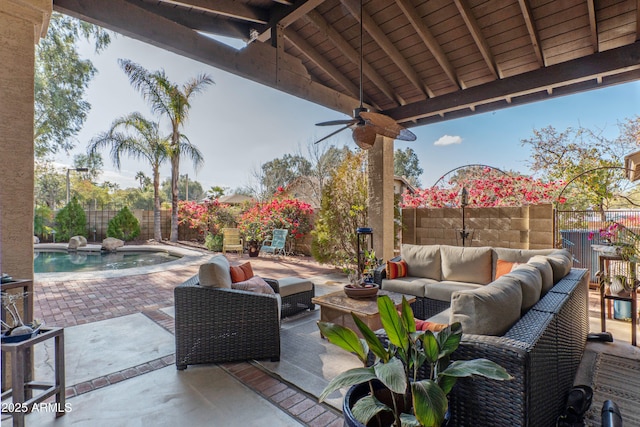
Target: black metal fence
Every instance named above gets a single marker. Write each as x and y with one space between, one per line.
578 230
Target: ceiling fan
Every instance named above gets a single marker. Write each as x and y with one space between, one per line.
365 124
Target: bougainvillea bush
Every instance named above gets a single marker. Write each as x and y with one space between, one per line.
257 222
208 217
487 189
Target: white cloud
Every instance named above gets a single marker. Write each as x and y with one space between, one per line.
448 140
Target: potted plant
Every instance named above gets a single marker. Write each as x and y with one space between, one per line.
394 394
16 330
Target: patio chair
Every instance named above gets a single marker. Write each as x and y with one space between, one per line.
231 240
275 245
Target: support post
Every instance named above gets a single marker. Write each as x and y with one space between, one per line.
381 200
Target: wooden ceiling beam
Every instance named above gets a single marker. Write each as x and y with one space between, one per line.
637 19
229 8
385 44
476 33
256 62
593 24
313 55
601 68
531 29
287 15
350 53
428 39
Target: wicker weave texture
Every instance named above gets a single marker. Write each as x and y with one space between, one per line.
215 325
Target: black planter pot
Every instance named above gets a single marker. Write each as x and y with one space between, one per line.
254 249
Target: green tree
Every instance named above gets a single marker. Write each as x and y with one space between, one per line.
343 210
71 221
173 103
406 163
324 160
50 184
195 189
281 172
124 225
135 136
216 192
92 162
594 160
144 180
61 79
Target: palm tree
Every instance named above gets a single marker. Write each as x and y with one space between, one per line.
137 137
171 101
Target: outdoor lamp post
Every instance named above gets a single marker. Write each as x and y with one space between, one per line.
464 201
68 186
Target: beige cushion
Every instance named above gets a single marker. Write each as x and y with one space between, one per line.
515 255
215 273
442 291
254 284
542 264
488 310
442 317
460 264
407 285
561 261
422 260
531 282
293 285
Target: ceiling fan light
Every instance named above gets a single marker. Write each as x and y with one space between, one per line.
364 137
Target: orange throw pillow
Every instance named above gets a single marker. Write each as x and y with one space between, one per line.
396 269
423 325
241 272
503 267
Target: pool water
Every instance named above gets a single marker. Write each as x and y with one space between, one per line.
63 261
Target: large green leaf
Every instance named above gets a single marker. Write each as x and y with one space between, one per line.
372 340
429 403
390 318
408 320
430 346
449 338
409 420
483 367
392 375
344 338
367 407
347 379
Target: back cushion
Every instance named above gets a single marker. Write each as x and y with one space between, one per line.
540 262
488 310
531 282
561 261
471 265
422 261
516 255
215 273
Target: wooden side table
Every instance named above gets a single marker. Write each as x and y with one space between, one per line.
22 385
606 295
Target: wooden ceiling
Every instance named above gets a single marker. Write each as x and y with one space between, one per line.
424 60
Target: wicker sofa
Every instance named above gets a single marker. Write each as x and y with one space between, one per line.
541 350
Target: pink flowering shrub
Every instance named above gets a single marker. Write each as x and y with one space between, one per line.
207 217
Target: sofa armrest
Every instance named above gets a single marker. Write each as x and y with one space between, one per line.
381 271
274 284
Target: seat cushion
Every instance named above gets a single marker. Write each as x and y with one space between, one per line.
471 265
488 310
531 282
407 285
293 285
442 291
215 273
422 261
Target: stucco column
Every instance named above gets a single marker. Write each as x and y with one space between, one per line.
380 160
22 23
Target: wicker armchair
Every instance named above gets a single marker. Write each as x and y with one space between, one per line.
215 325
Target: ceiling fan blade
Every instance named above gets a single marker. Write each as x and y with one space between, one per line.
364 136
347 122
332 133
386 126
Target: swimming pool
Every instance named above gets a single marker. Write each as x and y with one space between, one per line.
63 261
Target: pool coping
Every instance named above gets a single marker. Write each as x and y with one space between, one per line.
188 257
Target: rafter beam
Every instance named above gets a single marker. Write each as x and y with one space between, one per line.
593 24
287 15
531 29
474 29
339 42
230 8
326 66
428 39
385 44
588 72
256 62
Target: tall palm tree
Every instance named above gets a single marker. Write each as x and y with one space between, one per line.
134 136
171 101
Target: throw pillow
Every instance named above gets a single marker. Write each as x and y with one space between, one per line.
396 269
215 273
503 267
241 272
254 284
423 325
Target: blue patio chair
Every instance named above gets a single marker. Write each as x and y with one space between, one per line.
275 245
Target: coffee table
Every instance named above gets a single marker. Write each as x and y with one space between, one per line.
337 307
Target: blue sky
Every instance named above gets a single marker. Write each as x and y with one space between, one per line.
238 124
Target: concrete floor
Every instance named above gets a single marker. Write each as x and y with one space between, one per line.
120 369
